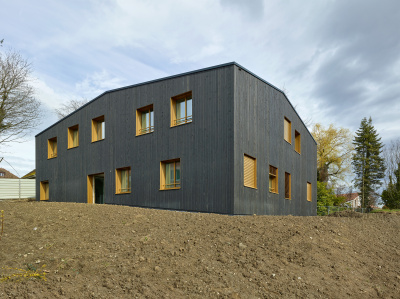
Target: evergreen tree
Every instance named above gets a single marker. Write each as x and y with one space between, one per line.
368 164
391 196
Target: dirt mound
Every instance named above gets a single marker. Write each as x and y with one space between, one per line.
67 250
347 213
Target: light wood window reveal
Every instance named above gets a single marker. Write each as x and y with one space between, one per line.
52 148
297 142
309 192
287 130
73 136
123 180
288 186
273 179
170 174
250 171
98 128
144 120
44 190
181 109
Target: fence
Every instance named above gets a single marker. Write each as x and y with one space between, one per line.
326 210
17 188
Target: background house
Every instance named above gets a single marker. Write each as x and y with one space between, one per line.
219 140
5 174
352 199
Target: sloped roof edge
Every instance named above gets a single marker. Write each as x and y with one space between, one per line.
176 76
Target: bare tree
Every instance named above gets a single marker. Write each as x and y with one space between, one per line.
69 107
19 109
391 154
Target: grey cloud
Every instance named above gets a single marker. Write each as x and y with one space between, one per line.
252 9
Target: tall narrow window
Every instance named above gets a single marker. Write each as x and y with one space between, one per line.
98 128
123 180
144 120
297 142
273 179
73 136
309 192
181 109
52 148
44 190
288 186
170 174
287 130
250 172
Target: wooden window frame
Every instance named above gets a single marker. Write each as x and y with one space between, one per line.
95 122
287 130
309 191
118 180
44 190
163 174
139 129
188 118
274 178
288 184
51 150
247 181
71 136
297 142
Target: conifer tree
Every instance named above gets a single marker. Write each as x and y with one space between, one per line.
391 195
369 166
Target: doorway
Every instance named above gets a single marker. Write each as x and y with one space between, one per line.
96 188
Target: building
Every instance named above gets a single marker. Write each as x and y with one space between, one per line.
218 140
5 174
353 200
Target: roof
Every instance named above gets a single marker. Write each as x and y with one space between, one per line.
5 174
30 175
349 196
180 75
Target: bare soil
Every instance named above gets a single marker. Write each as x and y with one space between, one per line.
69 250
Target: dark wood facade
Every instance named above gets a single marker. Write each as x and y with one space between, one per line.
234 113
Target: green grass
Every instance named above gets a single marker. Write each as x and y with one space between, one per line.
386 211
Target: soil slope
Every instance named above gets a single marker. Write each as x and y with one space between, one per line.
68 250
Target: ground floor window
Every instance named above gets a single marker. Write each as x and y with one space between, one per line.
44 190
170 174
123 180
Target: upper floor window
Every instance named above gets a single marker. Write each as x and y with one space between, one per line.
287 130
309 192
98 128
2 174
73 136
144 120
52 148
288 186
273 179
297 142
250 171
170 174
181 109
123 180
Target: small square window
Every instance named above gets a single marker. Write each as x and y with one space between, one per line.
2 174
181 109
98 128
170 174
144 120
123 180
250 171
52 148
287 130
288 186
297 142
44 190
273 179
73 136
309 192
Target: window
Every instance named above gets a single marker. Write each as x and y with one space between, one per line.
309 192
52 148
73 136
288 187
297 142
287 130
170 174
98 128
250 171
44 190
181 109
2 174
144 120
273 179
123 180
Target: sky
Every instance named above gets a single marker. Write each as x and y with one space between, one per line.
337 61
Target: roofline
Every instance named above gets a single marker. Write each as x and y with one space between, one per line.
180 75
